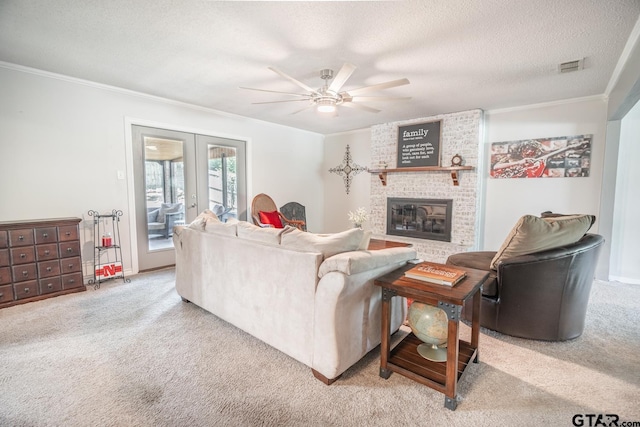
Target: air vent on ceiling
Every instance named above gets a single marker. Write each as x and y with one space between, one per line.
567 67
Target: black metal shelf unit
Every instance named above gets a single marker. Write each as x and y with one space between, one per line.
107 256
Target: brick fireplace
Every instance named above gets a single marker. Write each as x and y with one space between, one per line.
460 134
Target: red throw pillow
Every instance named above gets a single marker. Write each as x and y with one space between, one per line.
271 218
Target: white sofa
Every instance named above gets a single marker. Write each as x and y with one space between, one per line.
289 288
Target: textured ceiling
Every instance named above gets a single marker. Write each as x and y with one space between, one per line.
458 54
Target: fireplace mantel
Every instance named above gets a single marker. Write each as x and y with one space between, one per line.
382 173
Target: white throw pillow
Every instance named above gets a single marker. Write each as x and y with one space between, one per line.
328 244
201 220
253 232
229 228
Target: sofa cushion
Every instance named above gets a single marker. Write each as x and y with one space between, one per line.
271 218
366 239
201 220
532 234
328 244
269 235
229 228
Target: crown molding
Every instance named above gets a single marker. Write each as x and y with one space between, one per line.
350 132
102 86
116 89
602 98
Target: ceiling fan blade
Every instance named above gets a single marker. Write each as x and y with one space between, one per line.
380 98
292 80
276 91
379 86
360 107
342 76
302 109
283 100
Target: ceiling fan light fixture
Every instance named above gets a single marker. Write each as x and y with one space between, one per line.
327 98
326 105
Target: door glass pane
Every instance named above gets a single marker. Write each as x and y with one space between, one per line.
164 187
223 185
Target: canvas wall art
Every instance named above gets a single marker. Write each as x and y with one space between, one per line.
557 157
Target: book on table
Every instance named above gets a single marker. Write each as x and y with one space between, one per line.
436 273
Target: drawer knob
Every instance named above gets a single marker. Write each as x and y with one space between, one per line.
1 294
49 285
68 233
25 273
26 290
70 281
21 237
69 250
47 252
45 235
23 255
48 268
70 266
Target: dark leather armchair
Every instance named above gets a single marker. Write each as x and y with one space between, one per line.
540 296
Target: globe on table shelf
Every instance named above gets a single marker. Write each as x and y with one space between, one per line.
429 324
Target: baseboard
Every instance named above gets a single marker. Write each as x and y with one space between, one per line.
624 280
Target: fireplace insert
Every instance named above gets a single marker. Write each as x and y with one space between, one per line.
421 218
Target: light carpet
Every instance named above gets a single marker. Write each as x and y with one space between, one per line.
134 354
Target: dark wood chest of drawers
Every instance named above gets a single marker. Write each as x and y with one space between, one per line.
39 259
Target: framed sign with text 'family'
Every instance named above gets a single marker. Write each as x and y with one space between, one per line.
419 144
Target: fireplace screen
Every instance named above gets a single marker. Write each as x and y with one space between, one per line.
422 218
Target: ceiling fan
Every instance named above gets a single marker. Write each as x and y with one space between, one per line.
329 96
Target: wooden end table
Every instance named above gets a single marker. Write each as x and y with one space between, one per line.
404 358
378 244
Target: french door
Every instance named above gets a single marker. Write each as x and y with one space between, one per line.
176 176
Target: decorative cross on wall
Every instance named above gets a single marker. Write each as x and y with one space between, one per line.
347 169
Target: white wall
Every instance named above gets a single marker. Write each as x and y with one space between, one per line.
509 199
337 202
625 254
62 142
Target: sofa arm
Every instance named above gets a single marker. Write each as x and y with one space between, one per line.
355 262
348 309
